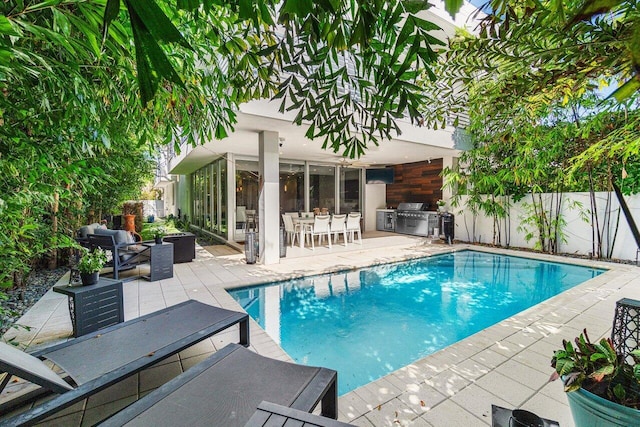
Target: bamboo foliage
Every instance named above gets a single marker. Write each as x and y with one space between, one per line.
90 89
529 86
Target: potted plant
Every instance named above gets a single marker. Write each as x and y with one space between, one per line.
158 233
603 386
90 265
441 205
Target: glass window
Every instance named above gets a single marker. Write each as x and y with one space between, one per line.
206 206
350 190
222 206
209 197
197 197
246 194
291 187
322 187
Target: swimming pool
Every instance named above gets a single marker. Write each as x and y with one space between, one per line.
369 322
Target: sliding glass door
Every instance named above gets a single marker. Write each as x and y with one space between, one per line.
350 190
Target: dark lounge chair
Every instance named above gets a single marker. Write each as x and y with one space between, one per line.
96 361
227 388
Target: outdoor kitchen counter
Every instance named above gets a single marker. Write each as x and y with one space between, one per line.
412 219
386 219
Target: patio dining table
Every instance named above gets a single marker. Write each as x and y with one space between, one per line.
303 222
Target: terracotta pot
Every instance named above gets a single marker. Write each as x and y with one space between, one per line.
130 222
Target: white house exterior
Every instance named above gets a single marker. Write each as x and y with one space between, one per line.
268 165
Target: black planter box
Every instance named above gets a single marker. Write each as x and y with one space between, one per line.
184 246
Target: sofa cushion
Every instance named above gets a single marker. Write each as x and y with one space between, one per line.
89 229
119 236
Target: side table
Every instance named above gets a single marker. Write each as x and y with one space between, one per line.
95 306
160 261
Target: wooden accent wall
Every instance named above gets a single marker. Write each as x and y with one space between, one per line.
416 182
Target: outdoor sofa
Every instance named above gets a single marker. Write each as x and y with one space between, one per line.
124 247
125 253
96 361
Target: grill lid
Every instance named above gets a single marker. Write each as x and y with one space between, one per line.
413 206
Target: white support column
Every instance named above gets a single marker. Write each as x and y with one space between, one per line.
307 186
269 201
451 163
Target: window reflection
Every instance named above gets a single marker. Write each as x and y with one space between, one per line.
350 184
209 193
222 206
209 198
291 187
322 188
246 194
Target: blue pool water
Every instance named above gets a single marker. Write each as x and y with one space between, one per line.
369 322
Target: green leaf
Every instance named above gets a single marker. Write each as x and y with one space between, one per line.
620 392
221 132
453 6
300 8
156 22
415 6
426 25
5 26
406 31
601 373
245 9
110 13
628 89
189 5
147 82
266 14
593 7
5 56
153 63
636 372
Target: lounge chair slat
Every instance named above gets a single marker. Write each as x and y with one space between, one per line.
270 414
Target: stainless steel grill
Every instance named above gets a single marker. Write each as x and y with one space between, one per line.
412 219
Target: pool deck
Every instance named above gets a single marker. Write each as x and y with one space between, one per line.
507 364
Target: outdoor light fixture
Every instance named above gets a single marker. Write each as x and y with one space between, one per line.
626 326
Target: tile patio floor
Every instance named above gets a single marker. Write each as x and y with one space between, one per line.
506 364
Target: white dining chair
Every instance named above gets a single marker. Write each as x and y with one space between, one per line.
353 226
290 228
338 226
320 228
292 214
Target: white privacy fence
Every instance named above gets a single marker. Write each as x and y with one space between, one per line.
153 207
576 213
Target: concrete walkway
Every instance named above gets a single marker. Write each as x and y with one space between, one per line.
507 364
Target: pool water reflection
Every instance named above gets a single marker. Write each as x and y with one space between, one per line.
369 322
